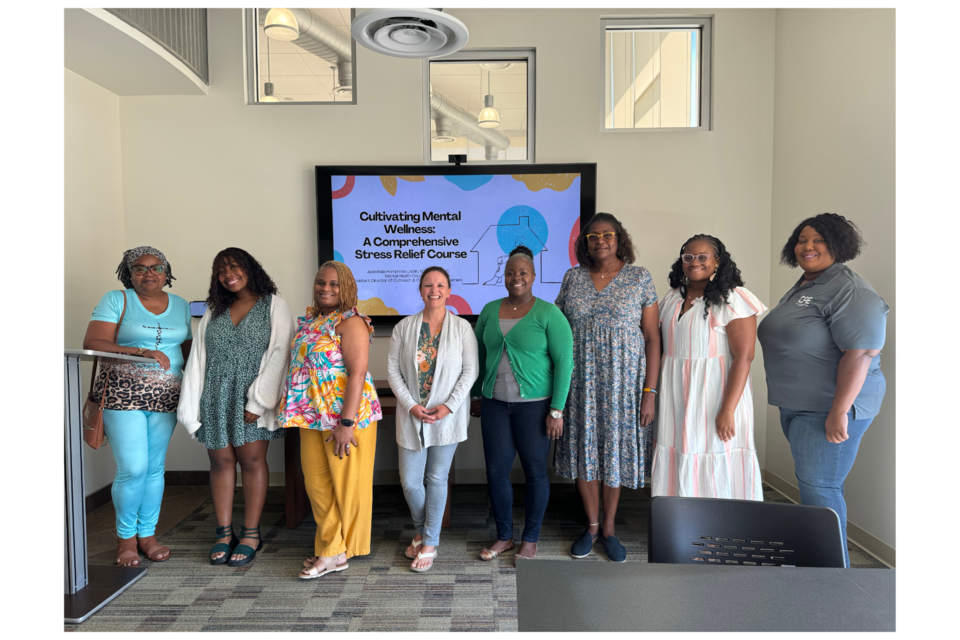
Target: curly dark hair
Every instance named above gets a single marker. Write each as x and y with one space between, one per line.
625 249
523 252
727 276
123 275
260 284
438 270
841 235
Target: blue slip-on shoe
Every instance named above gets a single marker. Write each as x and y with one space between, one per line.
615 551
581 548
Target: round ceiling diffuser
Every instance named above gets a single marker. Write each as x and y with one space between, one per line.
410 33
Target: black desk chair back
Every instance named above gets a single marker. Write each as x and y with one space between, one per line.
743 532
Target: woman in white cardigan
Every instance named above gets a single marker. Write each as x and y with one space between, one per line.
231 389
432 366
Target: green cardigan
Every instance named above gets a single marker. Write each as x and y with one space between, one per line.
540 349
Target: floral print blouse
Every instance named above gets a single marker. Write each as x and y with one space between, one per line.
317 378
427 359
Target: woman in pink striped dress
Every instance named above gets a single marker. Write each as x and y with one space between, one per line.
708 322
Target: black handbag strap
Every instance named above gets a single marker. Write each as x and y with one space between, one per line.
93 378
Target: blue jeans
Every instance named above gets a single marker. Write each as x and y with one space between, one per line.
139 442
426 501
511 428
822 466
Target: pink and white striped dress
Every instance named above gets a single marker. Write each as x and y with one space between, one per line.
689 459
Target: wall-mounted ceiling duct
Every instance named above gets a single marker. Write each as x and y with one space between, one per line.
455 119
323 39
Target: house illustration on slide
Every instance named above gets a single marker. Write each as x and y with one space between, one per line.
495 243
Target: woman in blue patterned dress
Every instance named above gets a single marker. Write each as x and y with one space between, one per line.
612 309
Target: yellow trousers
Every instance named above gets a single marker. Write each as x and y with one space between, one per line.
340 491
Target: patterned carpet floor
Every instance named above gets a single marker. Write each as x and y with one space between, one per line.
378 592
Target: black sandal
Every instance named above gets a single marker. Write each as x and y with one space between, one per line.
248 552
223 532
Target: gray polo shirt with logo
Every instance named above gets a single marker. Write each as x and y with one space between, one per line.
805 335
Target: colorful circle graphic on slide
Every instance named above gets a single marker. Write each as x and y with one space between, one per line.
457 303
338 256
344 190
522 225
574 234
469 183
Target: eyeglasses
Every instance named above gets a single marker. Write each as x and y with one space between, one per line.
606 235
141 270
700 257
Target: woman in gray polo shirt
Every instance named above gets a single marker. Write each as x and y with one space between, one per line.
821 351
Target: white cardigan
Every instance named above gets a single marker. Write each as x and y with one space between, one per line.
263 396
457 369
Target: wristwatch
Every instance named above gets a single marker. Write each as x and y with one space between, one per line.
346 423
556 415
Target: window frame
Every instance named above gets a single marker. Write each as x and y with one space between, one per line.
528 56
251 61
704 24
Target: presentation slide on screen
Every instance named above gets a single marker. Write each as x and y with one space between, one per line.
388 229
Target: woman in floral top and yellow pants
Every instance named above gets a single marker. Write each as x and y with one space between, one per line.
330 396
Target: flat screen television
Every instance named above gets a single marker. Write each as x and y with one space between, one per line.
389 223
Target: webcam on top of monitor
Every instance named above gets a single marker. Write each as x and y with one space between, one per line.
457 158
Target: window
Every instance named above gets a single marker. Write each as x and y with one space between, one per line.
460 88
309 61
657 74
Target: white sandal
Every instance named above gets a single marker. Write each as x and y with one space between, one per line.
421 556
312 560
329 566
416 545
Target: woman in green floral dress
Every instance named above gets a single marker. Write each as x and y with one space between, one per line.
231 389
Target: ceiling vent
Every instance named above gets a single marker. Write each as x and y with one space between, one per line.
410 33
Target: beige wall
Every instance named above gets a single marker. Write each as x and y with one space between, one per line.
834 151
202 173
93 222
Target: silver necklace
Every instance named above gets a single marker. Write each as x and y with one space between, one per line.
518 306
604 274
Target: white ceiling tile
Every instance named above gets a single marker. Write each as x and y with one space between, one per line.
507 84
290 85
317 66
456 84
284 64
332 15
345 16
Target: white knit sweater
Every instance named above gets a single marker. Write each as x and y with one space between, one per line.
457 369
263 396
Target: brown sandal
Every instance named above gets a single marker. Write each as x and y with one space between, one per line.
127 555
153 549
520 556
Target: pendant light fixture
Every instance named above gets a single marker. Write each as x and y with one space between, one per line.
281 24
268 85
489 117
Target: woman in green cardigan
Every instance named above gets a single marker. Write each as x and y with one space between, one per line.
526 359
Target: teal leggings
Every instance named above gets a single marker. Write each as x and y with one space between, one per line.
139 442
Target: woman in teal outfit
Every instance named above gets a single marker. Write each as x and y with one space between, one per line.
141 402
231 388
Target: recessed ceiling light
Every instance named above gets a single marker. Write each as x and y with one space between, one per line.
343 91
496 66
444 139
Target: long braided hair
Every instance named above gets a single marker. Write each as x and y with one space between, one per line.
726 279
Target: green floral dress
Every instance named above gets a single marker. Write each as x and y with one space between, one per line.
426 360
233 363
